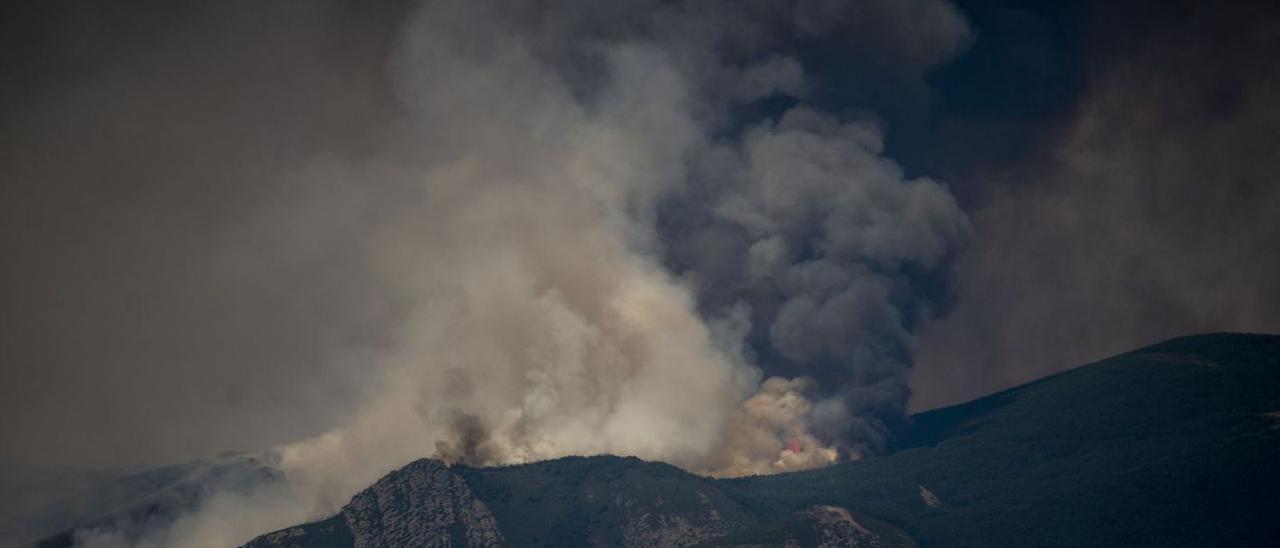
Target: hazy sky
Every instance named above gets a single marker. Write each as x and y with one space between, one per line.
569 227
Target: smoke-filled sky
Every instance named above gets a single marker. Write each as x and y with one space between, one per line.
742 237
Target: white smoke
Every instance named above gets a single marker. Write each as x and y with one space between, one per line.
548 315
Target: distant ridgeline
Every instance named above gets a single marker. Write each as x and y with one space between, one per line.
1177 444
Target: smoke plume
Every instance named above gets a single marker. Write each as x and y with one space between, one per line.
552 313
595 231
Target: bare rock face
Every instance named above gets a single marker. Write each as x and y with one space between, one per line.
423 504
822 527
835 526
655 526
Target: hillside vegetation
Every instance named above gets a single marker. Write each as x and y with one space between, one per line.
1177 444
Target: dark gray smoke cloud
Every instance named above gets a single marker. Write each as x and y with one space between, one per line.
821 263
1155 216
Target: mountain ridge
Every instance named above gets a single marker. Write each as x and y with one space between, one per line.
1175 444
1205 383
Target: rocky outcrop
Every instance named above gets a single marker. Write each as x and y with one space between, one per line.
652 526
820 526
423 504
835 526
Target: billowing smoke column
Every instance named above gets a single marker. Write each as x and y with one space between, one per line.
822 244
604 255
